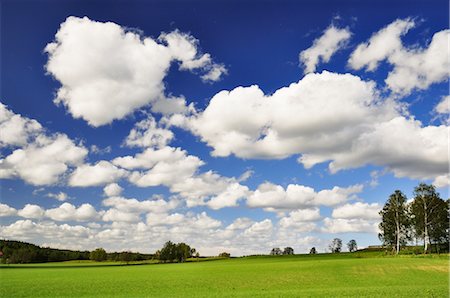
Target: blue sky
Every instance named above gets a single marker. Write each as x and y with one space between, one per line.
236 126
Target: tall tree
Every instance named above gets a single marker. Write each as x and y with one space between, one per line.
335 245
98 255
352 246
429 214
394 221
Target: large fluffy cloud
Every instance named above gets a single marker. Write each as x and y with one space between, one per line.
147 133
412 67
358 210
176 169
275 197
16 130
43 161
324 47
103 172
308 118
41 158
102 64
68 212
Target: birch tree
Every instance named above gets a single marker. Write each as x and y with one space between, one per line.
429 214
394 221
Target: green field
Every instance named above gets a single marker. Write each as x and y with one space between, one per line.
356 275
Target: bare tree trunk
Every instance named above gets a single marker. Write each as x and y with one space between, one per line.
426 237
397 221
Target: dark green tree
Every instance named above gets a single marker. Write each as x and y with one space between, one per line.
224 255
395 221
352 246
288 251
429 215
183 252
98 255
313 251
276 251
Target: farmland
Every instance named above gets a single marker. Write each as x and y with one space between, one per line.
333 275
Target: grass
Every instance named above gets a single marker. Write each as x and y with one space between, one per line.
324 275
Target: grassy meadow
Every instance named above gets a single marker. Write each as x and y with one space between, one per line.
324 275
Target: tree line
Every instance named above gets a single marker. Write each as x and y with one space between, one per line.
17 252
425 218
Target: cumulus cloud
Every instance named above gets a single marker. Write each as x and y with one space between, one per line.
324 47
301 220
357 210
31 211
60 196
68 212
43 161
16 130
6 210
147 133
340 225
176 169
413 68
442 181
249 124
66 236
307 118
112 190
443 107
274 197
103 172
389 144
102 64
116 215
156 205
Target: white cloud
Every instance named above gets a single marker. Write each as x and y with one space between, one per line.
112 190
60 196
156 205
215 73
31 211
174 168
307 118
152 157
249 124
301 220
116 215
380 46
43 161
324 47
341 225
65 236
443 107
168 166
6 210
442 181
68 212
357 210
389 144
275 197
97 150
103 172
147 133
240 223
413 68
15 129
222 191
102 64
261 229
